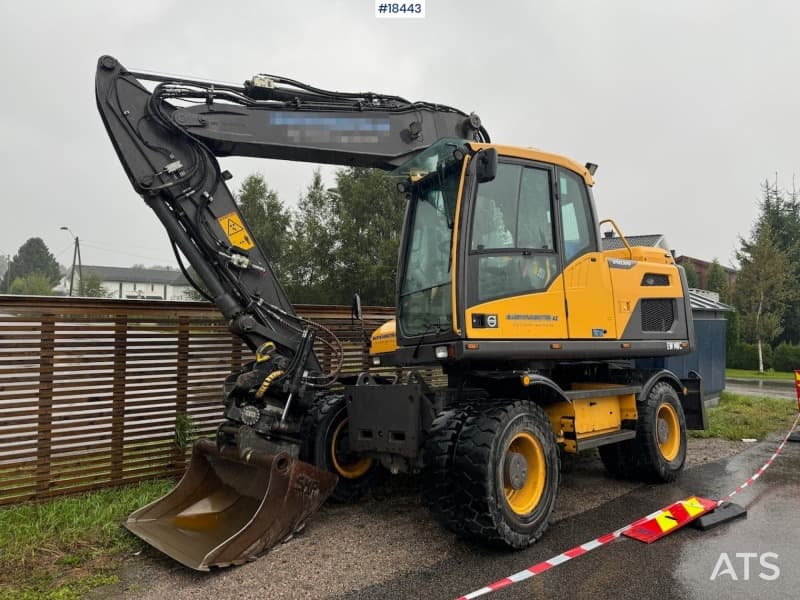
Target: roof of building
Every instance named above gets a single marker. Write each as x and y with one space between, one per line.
136 275
613 243
705 263
705 300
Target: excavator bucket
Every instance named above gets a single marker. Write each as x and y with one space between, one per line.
231 506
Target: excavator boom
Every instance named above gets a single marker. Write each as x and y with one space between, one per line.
247 490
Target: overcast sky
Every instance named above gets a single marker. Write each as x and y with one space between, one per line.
686 106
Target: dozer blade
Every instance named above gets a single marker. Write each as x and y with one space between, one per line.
231 506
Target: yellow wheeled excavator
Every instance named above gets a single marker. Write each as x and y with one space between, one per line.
502 284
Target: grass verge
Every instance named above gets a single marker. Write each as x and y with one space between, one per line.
64 548
738 417
744 374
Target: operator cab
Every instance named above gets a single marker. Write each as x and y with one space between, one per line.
500 259
481 229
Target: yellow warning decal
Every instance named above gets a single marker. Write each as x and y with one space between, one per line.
666 521
693 507
235 230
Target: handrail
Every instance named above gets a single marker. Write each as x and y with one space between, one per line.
619 233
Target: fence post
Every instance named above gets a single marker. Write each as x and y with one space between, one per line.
182 391
45 418
366 365
118 396
236 353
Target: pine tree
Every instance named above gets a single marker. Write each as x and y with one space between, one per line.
692 278
32 257
717 280
762 288
267 218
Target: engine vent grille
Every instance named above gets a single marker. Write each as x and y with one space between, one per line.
658 315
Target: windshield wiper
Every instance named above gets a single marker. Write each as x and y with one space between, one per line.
430 328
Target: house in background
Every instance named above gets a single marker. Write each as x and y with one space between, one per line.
701 266
136 283
609 241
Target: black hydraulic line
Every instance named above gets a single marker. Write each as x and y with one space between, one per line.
185 273
169 153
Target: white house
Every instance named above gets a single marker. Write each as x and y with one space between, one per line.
135 283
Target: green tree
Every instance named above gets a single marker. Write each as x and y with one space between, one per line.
91 286
369 217
781 212
732 332
762 288
345 240
34 284
311 261
32 257
717 280
692 278
268 219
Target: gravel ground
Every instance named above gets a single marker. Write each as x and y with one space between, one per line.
346 548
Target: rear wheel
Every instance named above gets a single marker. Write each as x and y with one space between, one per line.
506 473
661 434
326 446
658 452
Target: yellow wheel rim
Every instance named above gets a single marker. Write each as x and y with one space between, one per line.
351 470
668 431
524 499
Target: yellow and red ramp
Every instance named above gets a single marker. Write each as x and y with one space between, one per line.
669 519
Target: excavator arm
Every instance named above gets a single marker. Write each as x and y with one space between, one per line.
168 136
168 140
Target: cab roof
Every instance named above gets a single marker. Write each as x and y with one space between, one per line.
538 155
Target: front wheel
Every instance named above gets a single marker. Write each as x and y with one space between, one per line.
326 446
506 471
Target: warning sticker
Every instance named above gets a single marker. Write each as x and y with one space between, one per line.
234 228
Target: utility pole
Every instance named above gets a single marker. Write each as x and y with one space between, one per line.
76 255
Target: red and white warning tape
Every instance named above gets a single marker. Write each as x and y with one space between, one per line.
548 564
577 551
766 465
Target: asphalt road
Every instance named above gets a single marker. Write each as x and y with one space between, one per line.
772 388
679 566
389 547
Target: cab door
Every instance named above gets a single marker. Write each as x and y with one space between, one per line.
587 278
513 287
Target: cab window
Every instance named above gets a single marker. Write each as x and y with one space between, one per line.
511 245
576 216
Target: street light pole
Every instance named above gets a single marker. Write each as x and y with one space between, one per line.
76 255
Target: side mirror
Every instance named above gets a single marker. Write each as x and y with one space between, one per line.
486 169
355 312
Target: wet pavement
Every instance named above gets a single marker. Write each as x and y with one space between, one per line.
773 388
679 566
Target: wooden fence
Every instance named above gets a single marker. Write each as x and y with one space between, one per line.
91 391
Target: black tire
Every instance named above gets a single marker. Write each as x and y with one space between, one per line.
653 462
439 487
658 452
486 505
326 419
